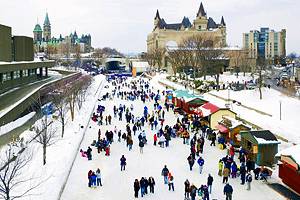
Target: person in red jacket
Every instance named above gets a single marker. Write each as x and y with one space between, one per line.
155 139
107 151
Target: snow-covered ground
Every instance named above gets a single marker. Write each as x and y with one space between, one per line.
15 124
119 185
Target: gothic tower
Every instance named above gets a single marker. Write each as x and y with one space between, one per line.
37 33
47 29
200 23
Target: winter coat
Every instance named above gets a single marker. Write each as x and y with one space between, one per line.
210 180
234 168
226 172
165 172
136 186
141 144
93 177
123 161
155 137
98 174
220 165
249 178
191 160
151 181
200 161
186 186
228 189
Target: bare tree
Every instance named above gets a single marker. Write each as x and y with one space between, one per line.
149 56
155 57
45 135
59 100
261 65
13 177
77 55
177 59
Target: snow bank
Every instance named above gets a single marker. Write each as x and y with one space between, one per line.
15 124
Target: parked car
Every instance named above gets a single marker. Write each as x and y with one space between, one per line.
250 86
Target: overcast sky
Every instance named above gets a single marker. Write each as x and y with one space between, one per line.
124 24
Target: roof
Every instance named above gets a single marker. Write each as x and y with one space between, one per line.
293 152
37 28
197 101
157 15
175 26
208 109
223 21
263 136
211 24
186 95
47 21
201 11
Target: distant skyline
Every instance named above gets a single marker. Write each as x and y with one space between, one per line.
125 24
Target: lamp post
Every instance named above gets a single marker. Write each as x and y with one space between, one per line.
280 109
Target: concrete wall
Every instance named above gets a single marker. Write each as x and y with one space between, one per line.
5 43
22 48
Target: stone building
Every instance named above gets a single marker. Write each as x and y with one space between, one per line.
164 34
43 39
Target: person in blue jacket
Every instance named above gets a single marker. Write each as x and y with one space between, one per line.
200 163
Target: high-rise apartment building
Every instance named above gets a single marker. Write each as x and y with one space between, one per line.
265 43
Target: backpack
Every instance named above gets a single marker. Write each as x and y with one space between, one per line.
249 178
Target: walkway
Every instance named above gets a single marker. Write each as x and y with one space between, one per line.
119 185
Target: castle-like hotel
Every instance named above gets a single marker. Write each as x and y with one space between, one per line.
163 33
43 39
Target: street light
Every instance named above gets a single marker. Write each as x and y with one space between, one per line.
280 109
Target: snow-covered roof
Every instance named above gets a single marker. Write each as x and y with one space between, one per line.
234 122
264 137
293 152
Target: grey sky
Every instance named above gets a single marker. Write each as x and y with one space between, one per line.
124 24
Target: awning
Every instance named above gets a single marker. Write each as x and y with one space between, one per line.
222 128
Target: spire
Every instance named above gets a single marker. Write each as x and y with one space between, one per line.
223 21
47 21
201 11
157 15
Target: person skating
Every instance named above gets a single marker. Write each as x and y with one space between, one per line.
93 180
89 153
220 165
141 145
155 139
187 189
123 162
210 181
243 173
142 186
171 182
90 178
200 163
136 187
191 162
228 190
151 183
98 174
164 173
226 172
249 180
193 190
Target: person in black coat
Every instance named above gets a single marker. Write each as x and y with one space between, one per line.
210 180
243 173
151 183
191 162
123 162
89 153
228 190
136 187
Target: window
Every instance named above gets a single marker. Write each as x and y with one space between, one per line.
25 73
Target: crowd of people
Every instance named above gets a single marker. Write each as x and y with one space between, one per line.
193 133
